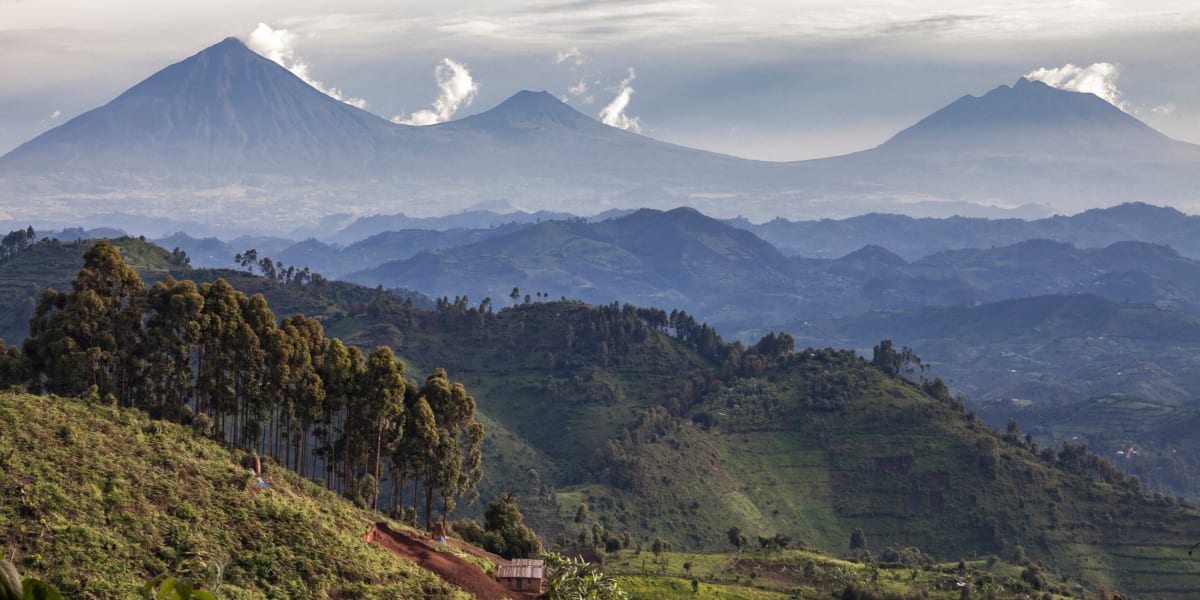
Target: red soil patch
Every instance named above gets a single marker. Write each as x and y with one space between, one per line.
457 571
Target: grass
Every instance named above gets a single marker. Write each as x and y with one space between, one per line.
909 472
804 574
113 498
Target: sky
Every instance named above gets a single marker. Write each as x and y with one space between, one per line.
764 79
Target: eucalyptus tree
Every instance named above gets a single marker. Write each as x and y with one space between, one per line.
91 335
340 371
305 389
172 336
413 452
455 469
381 405
223 330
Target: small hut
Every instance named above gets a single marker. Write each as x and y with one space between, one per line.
522 575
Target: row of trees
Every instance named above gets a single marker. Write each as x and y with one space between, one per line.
275 270
212 357
16 242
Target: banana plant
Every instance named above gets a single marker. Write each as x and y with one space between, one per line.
13 588
170 588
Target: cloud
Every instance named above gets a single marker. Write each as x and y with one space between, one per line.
614 113
53 118
456 89
573 54
1164 109
1098 78
932 25
580 91
278 45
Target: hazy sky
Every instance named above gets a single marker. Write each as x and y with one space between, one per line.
757 78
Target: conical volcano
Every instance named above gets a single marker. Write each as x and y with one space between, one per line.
1032 118
225 111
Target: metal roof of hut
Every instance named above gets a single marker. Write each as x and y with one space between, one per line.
522 568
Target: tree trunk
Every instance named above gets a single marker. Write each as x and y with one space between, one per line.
378 444
429 507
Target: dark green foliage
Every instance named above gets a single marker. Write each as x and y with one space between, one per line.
1034 577
909 557
775 542
15 368
737 539
503 532
858 539
92 335
571 578
16 242
218 360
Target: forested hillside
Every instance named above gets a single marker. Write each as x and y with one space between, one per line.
810 444
607 422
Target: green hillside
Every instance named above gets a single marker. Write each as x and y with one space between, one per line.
52 264
99 499
661 437
562 376
664 431
1069 368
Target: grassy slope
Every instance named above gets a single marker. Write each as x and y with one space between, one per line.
904 468
115 499
810 575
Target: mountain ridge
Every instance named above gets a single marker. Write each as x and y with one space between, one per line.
1030 116
227 124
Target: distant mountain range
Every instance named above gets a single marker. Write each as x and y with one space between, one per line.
915 238
730 277
227 133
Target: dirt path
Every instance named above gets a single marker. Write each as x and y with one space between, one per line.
455 570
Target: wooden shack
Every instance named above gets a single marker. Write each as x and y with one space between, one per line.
522 574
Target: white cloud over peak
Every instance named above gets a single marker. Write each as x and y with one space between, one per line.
1164 109
614 113
279 46
456 89
573 54
1097 78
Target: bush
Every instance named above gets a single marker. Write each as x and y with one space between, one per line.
909 557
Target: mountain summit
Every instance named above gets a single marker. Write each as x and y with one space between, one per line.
529 110
227 124
1032 118
223 111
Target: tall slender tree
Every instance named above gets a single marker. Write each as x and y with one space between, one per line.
382 404
454 470
172 334
91 335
